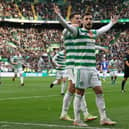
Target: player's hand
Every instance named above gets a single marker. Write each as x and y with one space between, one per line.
114 19
56 9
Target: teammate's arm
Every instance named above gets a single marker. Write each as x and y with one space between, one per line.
71 28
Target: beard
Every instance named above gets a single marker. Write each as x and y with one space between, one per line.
88 26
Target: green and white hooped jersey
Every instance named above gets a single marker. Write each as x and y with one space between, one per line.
59 60
18 60
68 38
80 50
113 63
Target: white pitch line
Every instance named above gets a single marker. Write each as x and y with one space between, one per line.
35 97
49 125
29 97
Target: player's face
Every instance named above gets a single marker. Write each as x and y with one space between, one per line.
76 20
87 22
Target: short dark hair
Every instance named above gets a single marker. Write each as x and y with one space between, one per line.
85 14
73 14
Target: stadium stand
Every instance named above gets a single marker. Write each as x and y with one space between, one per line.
35 39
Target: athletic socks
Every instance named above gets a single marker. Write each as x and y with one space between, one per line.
63 87
101 106
22 80
77 106
84 108
55 82
122 85
66 103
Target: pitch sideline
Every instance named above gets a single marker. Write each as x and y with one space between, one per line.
30 97
6 123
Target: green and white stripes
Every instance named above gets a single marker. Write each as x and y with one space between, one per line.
80 50
59 60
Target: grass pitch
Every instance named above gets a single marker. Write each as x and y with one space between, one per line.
36 106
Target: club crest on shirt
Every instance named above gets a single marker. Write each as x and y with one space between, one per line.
90 34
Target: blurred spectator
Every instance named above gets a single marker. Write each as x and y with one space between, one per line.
35 41
103 9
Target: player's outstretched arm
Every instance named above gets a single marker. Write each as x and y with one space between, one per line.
70 28
107 27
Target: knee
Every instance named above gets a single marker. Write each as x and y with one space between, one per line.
71 90
98 90
80 91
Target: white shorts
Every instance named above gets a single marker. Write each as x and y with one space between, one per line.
18 71
61 74
104 72
70 73
85 78
113 73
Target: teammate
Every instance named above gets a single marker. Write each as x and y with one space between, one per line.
75 19
17 62
61 76
83 47
126 71
104 68
113 66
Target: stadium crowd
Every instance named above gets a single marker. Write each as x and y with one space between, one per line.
31 41
44 10
35 42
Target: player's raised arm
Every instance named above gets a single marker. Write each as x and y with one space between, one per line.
70 28
107 27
